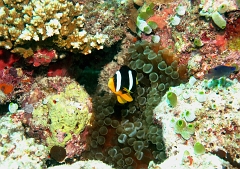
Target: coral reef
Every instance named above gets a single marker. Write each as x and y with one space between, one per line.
218 5
7 59
196 40
216 123
216 43
43 57
193 125
17 151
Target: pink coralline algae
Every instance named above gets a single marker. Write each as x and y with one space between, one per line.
13 80
75 146
42 57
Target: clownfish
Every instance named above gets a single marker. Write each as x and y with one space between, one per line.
123 83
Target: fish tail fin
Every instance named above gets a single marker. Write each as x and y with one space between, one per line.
121 100
124 98
127 97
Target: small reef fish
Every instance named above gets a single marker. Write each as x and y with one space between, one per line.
220 71
123 83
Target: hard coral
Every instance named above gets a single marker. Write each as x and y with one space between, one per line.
16 148
42 87
75 146
76 27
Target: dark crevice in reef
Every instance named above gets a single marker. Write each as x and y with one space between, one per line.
226 156
89 67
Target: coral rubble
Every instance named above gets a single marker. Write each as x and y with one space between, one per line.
84 165
217 118
183 160
16 150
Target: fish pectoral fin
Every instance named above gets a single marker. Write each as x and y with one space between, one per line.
127 97
121 100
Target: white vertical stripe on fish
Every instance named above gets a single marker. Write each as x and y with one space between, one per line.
119 78
130 80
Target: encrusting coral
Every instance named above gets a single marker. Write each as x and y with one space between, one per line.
61 111
68 112
60 24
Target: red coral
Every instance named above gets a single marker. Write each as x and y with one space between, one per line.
161 18
60 68
205 37
233 28
42 57
7 59
6 88
221 42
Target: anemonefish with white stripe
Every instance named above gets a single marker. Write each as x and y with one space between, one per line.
123 83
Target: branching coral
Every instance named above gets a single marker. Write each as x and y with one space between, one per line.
57 23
